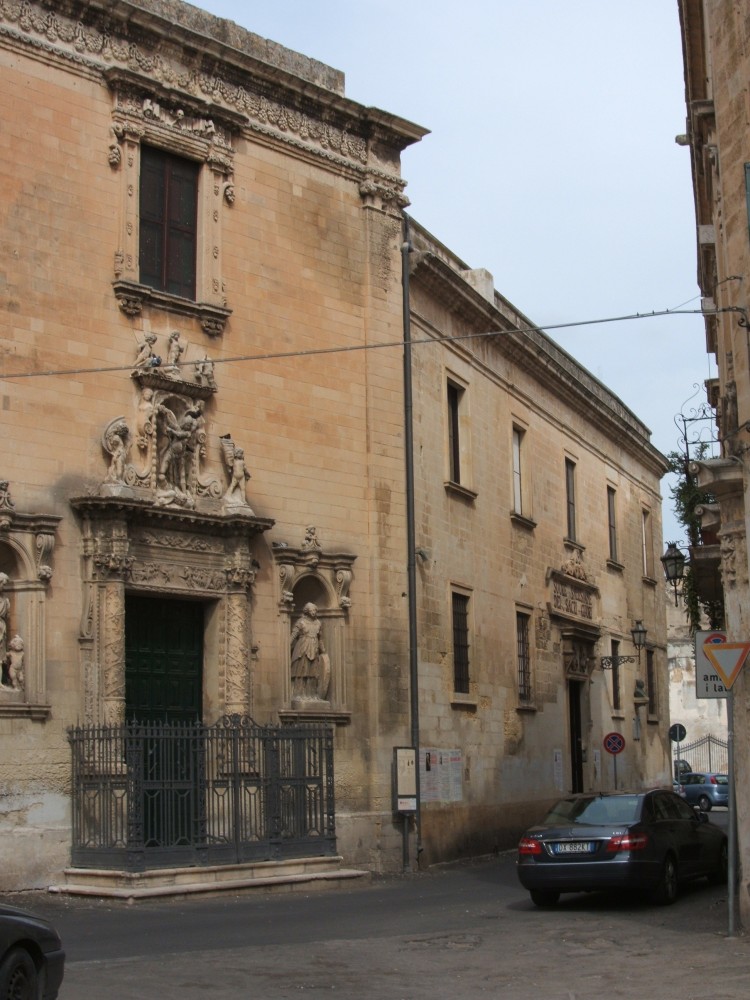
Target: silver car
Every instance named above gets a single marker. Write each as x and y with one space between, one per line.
705 789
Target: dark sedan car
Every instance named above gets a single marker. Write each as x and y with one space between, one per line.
649 841
31 956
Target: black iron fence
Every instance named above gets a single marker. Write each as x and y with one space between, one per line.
163 795
709 753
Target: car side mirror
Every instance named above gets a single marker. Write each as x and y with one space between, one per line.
701 816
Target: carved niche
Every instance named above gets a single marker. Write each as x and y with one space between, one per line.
308 574
26 545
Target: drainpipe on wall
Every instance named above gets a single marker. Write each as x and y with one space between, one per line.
411 566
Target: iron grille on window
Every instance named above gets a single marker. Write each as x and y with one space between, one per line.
650 682
615 676
461 643
168 222
524 657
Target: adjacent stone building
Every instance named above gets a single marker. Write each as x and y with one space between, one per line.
715 38
204 511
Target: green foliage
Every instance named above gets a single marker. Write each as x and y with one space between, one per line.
687 496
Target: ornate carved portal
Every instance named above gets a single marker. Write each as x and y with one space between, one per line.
132 546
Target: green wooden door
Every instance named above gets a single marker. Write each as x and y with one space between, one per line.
164 684
163 660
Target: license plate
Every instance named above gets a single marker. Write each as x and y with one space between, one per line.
573 847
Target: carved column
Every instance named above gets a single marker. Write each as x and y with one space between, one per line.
237 690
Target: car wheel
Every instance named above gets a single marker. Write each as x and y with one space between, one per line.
18 976
544 897
665 892
719 875
704 804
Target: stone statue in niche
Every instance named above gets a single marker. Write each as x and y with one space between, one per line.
311 667
13 674
4 612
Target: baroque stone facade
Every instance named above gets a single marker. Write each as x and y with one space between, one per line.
234 449
715 39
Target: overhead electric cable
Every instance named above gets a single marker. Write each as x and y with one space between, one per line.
314 351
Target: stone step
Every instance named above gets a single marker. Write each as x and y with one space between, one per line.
287 875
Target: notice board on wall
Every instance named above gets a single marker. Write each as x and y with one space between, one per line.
441 774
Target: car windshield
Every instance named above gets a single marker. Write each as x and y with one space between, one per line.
721 779
603 810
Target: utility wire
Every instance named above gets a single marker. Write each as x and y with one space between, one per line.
314 351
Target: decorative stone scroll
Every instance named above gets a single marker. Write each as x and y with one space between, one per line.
27 542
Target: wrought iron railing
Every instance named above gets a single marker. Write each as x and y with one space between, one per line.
159 795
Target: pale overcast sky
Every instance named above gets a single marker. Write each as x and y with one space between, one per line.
551 162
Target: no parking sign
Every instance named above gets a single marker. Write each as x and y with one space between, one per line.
614 743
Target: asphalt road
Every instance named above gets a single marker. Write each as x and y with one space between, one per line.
465 931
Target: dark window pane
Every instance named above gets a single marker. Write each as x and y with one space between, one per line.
460 607
168 222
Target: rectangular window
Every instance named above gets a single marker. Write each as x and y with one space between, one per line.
168 222
616 706
460 608
570 498
651 682
648 565
612 521
523 656
454 441
517 484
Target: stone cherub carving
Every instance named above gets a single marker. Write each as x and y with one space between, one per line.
311 667
204 372
13 672
146 357
234 459
175 350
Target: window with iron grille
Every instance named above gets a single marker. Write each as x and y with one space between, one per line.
651 682
615 676
168 222
523 656
570 498
612 520
460 608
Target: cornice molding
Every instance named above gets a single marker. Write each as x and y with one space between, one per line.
254 94
535 353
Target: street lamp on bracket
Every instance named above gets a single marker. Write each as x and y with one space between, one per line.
674 562
638 634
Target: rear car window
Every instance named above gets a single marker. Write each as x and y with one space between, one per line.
599 810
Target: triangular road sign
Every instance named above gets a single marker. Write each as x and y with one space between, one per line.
728 658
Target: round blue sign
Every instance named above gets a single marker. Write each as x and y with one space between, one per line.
614 743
